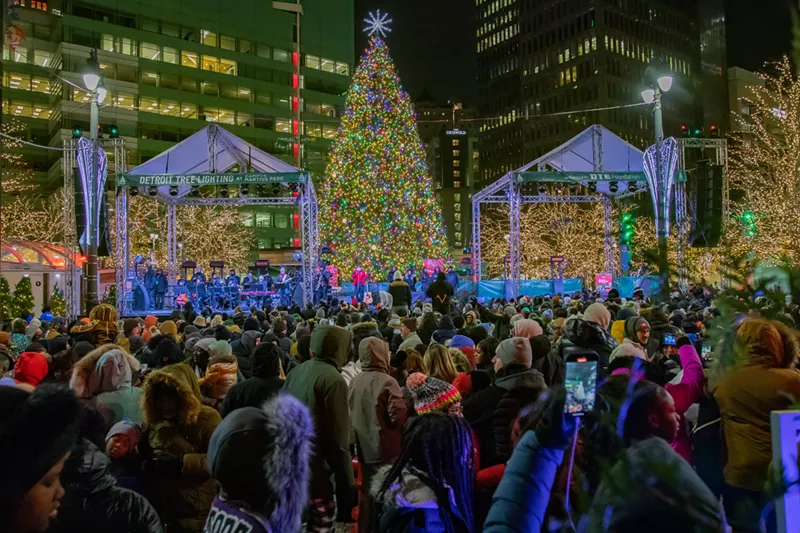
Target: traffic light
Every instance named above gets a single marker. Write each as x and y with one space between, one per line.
76 133
626 228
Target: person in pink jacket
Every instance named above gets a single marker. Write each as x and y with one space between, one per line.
685 393
359 283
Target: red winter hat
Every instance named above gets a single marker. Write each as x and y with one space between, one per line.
469 351
30 368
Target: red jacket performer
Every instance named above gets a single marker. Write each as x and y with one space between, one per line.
359 283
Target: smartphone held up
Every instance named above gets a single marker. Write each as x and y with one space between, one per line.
581 382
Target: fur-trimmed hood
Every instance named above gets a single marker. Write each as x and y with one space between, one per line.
89 379
260 457
768 343
179 378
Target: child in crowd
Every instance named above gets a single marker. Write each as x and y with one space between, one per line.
122 443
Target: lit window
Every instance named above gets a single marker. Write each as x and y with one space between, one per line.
107 42
189 59
41 85
456 163
283 125
227 66
456 153
149 51
247 220
475 155
170 55
456 142
43 58
457 207
124 100
457 197
312 61
245 47
208 38
170 107
244 94
280 55
457 217
227 42
226 116
264 220
149 78
210 63
328 65
188 110
329 131
281 220
457 184
148 104
243 119
456 173
126 46
342 68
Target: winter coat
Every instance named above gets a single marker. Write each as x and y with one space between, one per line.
492 411
659 326
629 348
401 293
93 503
410 342
685 393
377 409
748 393
183 498
581 334
546 362
284 342
359 276
319 385
502 322
361 331
440 292
409 505
17 344
243 349
103 379
257 389
524 492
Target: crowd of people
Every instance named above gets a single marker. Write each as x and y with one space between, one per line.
434 415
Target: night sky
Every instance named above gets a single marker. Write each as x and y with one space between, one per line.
433 41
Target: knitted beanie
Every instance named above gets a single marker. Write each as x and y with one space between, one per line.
460 341
431 394
515 350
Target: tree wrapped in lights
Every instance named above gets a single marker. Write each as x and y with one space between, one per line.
208 233
764 169
6 307
22 299
572 230
58 305
377 205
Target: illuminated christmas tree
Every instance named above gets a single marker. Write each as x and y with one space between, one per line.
22 300
58 305
377 205
6 309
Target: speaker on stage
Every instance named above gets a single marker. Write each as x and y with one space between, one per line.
297 294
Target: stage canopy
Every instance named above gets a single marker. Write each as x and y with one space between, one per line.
205 158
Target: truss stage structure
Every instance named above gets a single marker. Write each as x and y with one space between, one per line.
206 159
595 156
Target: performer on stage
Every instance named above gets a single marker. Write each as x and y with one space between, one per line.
233 277
283 279
181 293
150 281
359 283
323 282
390 274
198 276
267 281
233 290
248 279
411 279
160 289
452 277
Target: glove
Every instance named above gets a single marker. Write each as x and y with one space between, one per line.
167 463
553 427
684 341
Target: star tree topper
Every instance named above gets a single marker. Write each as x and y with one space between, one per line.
377 24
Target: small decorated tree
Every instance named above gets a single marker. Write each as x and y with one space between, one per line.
22 300
58 305
6 309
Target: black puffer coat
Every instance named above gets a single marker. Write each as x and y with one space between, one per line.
94 503
581 334
243 348
492 411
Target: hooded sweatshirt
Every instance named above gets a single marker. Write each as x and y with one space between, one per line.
243 350
377 407
319 385
630 345
30 368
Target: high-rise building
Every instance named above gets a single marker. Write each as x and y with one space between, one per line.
172 66
449 134
541 63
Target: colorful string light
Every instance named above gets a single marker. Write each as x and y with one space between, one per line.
377 206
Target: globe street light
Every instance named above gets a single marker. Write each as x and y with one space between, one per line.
93 83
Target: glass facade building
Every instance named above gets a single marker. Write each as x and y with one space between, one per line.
172 66
541 63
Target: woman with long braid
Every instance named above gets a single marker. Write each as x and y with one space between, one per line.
430 486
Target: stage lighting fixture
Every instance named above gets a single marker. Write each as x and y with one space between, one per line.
223 191
613 186
173 190
573 190
244 190
592 187
152 191
134 191
194 190
276 190
542 189
631 185
76 133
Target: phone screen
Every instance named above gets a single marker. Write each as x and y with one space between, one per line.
669 340
706 352
581 384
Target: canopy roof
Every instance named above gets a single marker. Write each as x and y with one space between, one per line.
193 155
28 253
596 149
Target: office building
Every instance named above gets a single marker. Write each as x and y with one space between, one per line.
740 90
449 134
542 63
172 66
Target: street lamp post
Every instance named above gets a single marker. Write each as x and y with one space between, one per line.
659 81
93 83
153 237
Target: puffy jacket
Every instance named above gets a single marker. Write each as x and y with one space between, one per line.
440 292
93 503
103 380
377 408
685 393
401 293
260 387
748 393
492 411
581 334
182 498
243 348
659 326
359 276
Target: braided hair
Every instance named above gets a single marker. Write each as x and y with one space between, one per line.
440 446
